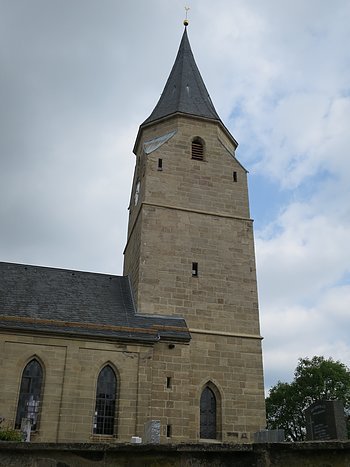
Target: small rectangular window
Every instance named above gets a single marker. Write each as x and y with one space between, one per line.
194 269
235 176
160 164
168 431
168 382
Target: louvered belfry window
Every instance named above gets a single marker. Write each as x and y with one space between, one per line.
197 149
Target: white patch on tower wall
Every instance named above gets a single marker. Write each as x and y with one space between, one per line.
155 143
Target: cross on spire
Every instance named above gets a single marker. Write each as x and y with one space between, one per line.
186 20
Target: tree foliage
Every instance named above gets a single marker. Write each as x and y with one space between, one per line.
314 379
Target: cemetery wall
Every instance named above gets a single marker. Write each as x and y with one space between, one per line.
310 454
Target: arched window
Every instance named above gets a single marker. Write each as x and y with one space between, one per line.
105 402
208 414
30 394
197 149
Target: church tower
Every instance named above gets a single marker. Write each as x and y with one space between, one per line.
190 253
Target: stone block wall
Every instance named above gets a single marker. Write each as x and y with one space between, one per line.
183 182
233 369
189 208
223 297
71 368
161 382
332 454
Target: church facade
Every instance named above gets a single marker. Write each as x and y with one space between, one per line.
94 357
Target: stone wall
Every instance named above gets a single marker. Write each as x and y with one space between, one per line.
155 382
71 367
322 454
193 211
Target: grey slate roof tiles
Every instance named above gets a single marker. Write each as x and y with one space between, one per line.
184 91
79 303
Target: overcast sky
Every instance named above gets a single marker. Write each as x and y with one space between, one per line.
77 77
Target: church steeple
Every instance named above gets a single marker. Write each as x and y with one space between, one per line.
185 91
190 254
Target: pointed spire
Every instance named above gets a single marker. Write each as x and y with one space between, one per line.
185 91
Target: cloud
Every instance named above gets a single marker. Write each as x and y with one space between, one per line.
304 331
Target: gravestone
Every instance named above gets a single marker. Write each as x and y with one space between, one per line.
152 432
136 440
269 436
325 420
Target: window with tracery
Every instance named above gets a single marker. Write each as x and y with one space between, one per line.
105 402
30 397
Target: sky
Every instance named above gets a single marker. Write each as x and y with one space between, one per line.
78 77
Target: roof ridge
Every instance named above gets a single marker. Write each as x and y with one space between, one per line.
56 268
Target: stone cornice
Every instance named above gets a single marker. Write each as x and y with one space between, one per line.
224 333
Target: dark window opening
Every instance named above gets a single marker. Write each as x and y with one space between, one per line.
30 394
197 149
160 164
208 414
194 269
168 431
105 402
168 382
235 176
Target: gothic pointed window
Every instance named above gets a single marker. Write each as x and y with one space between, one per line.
30 397
208 414
105 402
197 149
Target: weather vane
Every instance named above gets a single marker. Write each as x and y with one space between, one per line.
186 20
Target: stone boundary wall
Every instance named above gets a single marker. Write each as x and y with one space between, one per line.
306 454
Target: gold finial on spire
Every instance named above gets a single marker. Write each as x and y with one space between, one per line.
186 20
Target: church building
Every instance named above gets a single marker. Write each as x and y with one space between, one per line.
95 357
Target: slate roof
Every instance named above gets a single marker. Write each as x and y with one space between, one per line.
35 298
184 91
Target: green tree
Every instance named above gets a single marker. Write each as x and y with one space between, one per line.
314 379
